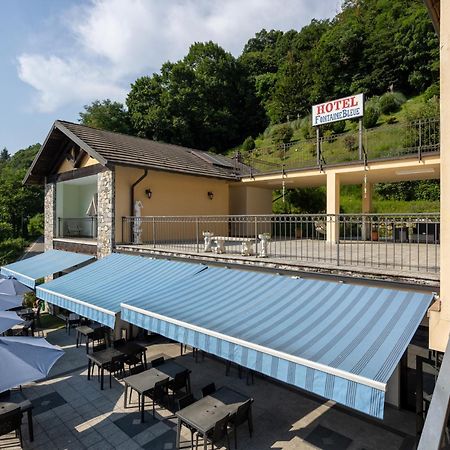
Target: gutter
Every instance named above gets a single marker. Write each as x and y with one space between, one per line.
144 175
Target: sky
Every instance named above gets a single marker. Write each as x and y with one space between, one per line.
58 55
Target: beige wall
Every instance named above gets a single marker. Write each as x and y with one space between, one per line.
172 194
67 166
440 315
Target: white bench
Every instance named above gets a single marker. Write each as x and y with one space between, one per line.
246 243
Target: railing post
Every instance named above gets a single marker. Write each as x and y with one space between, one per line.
197 234
338 239
256 235
420 140
153 232
318 145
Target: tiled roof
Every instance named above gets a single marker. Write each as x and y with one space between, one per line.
111 149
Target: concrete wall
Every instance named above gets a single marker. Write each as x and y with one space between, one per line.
172 195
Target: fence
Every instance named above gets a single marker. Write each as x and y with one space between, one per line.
394 242
415 138
85 227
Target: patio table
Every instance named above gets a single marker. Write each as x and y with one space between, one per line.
203 414
102 359
22 328
133 348
11 400
145 381
83 330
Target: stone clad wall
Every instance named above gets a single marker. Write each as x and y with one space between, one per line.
106 213
49 214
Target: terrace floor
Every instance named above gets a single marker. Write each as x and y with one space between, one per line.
375 259
72 413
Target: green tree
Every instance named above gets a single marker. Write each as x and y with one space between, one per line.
203 101
107 115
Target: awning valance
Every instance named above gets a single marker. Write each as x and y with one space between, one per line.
28 270
340 341
96 291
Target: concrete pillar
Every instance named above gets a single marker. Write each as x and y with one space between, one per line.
440 315
333 204
106 213
49 215
366 209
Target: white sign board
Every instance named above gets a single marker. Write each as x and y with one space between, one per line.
340 109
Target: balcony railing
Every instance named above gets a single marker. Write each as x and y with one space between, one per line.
399 242
77 227
417 138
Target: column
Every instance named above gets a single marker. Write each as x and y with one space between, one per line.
106 213
440 314
366 192
333 204
49 215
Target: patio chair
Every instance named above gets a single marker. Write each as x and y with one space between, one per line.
158 393
134 371
157 361
12 421
115 367
184 402
73 320
208 389
243 414
218 433
181 381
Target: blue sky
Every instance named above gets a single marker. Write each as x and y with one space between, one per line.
58 55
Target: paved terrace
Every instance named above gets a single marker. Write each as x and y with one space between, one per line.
72 413
410 262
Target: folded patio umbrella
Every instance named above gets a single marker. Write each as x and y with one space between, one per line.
8 319
10 301
10 286
25 359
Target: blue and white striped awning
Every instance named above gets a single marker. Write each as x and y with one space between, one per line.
28 270
96 291
340 341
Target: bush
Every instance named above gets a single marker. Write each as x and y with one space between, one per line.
282 134
338 127
350 142
371 116
391 120
36 225
306 128
391 102
11 249
432 91
6 231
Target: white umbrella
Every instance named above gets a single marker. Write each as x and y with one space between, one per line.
8 319
10 286
25 359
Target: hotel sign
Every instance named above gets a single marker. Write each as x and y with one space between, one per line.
340 109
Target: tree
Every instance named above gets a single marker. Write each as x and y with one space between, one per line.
204 100
107 115
4 155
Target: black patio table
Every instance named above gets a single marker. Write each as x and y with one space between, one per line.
11 400
145 381
133 348
203 414
102 358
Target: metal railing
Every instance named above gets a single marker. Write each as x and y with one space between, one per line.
82 227
415 138
400 242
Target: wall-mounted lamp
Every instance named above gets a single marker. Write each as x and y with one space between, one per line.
148 193
211 195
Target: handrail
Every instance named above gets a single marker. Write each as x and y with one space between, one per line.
437 416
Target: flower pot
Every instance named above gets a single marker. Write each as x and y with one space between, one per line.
374 235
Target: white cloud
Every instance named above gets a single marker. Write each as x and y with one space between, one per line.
110 42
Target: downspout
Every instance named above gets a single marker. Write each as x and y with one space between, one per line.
132 190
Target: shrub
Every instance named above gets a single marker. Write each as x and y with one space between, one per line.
391 102
6 231
282 134
36 225
371 115
249 144
11 249
29 300
432 91
391 120
306 128
338 127
350 142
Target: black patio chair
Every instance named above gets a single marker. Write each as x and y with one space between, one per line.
134 371
181 381
157 362
115 367
208 389
12 421
158 393
218 433
243 414
184 402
